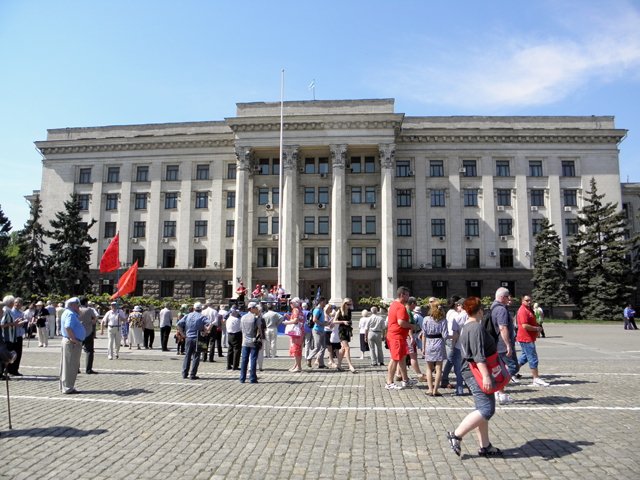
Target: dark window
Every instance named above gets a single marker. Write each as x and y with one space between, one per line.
437 198
571 226
471 227
142 173
168 258
323 257
404 227
262 258
403 168
309 225
166 288
537 198
568 168
438 228
202 172
356 225
112 201
370 195
139 255
200 228
198 288
275 167
140 201
231 199
309 195
439 258
113 175
506 258
436 168
202 200
172 172
356 165
109 229
405 258
275 195
370 225
139 229
502 168
323 225
403 198
309 165
470 197
470 168
228 258
473 258
231 171
170 200
309 254
263 196
263 167
535 168
536 226
263 225
274 257
356 257
356 194
570 198
229 228
323 165
200 258
503 196
369 164
84 175
83 201
505 226
275 225
323 195
169 230
371 257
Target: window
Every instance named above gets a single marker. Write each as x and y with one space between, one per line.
323 225
356 225
263 225
437 198
229 228
200 228
506 258
84 175
171 173
370 195
436 168
169 229
570 197
263 257
199 258
309 253
571 226
228 258
139 229
168 258
503 197
535 168
568 168
275 225
323 257
202 200
275 195
170 200
403 168
405 258
403 198
470 168
470 196
309 165
198 288
231 199
263 169
356 257
356 165
439 258
274 257
473 258
438 227
369 164
142 173
202 172
111 201
371 257
309 225
275 166
166 288
113 175
109 229
502 168
323 195
536 226
471 227
356 194
309 195
370 225
537 198
140 202
83 201
231 171
505 226
138 254
263 196
404 227
323 165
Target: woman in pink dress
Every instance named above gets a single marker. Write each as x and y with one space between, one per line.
295 348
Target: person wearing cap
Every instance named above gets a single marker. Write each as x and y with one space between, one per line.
272 321
190 326
59 310
166 320
215 337
234 334
136 324
21 322
40 317
88 319
149 332
374 333
51 319
251 336
113 319
73 334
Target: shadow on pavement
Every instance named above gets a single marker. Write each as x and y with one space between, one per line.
120 393
554 400
60 432
547 448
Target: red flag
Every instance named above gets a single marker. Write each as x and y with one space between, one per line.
127 282
111 258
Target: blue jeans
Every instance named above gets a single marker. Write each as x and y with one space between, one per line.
191 357
454 360
249 356
529 354
485 403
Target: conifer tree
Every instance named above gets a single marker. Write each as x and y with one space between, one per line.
70 251
29 278
601 254
549 271
5 228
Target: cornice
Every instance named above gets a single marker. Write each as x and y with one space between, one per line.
257 124
52 148
610 136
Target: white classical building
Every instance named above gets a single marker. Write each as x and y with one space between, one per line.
371 199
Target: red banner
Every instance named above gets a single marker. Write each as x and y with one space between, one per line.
127 283
111 259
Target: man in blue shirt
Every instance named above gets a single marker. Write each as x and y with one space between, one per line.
190 325
73 334
319 338
630 318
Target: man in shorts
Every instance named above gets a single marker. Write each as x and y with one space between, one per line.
399 327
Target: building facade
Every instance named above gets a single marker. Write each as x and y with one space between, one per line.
366 199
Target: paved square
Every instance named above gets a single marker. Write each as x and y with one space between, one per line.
139 419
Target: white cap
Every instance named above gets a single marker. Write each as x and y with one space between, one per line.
252 305
137 309
197 306
75 300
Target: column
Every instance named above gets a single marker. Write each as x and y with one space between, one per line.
288 244
241 247
340 253
387 245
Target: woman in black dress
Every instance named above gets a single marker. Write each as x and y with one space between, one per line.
345 331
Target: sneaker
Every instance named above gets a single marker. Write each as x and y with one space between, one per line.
514 381
407 384
393 386
411 382
538 382
504 399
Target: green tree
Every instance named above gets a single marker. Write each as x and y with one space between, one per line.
29 278
5 228
70 251
549 271
602 260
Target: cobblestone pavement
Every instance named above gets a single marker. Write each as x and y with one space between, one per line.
138 419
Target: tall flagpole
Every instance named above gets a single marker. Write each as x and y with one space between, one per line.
280 185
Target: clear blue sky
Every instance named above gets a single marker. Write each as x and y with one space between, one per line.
88 63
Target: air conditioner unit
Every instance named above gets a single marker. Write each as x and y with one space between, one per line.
462 170
372 206
165 240
268 206
257 169
439 284
134 240
441 239
534 208
468 238
422 265
323 175
274 237
567 209
301 170
196 240
230 282
305 237
473 284
503 238
322 206
500 208
492 253
411 173
504 284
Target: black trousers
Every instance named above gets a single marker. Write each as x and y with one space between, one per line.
16 346
149 336
87 346
164 338
215 341
235 350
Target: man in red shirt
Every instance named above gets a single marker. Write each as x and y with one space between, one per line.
528 330
398 327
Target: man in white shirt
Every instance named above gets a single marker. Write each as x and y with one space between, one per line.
112 319
165 327
214 335
272 321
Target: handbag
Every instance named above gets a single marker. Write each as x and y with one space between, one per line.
497 371
293 330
